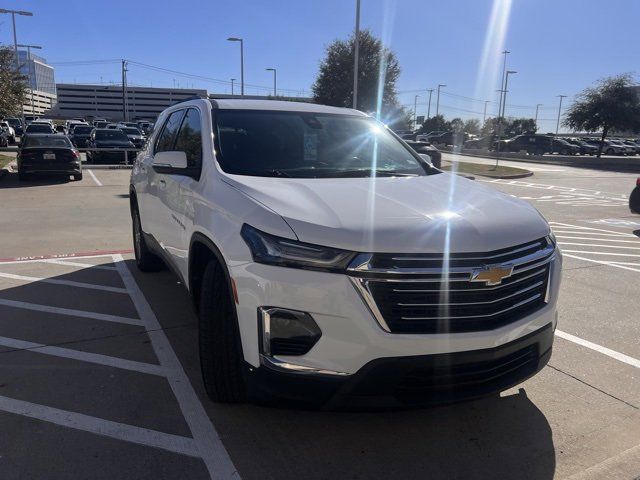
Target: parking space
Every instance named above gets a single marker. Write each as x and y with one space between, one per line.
99 369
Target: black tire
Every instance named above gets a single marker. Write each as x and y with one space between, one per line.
77 177
609 151
634 200
145 260
564 151
219 339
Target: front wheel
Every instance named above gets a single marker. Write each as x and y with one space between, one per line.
145 260
77 177
219 339
609 151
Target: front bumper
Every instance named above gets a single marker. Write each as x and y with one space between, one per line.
409 381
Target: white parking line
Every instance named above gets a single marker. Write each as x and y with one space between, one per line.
597 245
100 426
206 437
77 264
68 283
610 264
70 312
105 360
95 179
621 357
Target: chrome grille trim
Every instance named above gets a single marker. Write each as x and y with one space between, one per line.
487 257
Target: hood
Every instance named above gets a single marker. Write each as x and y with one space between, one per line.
411 214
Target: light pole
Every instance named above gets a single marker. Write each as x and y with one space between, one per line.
232 80
506 83
29 47
438 98
484 114
538 105
415 111
236 39
429 107
559 110
504 105
356 56
15 40
275 90
503 79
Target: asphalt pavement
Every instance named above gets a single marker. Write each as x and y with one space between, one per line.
99 370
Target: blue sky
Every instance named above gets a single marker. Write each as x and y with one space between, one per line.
558 46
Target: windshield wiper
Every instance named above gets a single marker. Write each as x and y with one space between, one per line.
366 172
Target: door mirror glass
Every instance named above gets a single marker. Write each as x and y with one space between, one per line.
426 158
171 159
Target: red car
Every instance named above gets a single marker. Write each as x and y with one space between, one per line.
634 198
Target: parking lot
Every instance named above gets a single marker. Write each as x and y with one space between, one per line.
99 368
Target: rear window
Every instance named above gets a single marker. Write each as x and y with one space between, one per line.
38 128
131 131
82 130
110 135
47 142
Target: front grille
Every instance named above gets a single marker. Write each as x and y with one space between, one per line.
428 294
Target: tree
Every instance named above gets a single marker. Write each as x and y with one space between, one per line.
519 126
435 123
334 83
456 125
610 105
472 126
12 84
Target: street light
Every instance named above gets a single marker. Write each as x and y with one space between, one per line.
275 74
415 111
506 84
484 114
429 107
504 76
15 39
29 47
538 105
232 80
236 39
438 98
356 56
559 109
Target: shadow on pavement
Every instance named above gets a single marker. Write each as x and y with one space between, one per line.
10 180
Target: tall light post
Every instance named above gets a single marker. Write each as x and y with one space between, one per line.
232 80
559 110
506 84
275 90
484 114
356 56
29 47
503 79
504 105
538 105
440 85
15 39
415 111
236 39
429 107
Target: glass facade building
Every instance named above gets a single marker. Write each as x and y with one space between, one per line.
40 74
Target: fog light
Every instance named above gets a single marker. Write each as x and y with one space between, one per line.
287 332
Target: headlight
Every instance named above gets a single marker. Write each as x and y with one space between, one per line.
551 238
283 252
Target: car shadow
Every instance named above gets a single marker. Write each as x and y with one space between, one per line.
10 180
497 437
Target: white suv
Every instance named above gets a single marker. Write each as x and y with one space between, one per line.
329 264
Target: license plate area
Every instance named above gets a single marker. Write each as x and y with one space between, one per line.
49 156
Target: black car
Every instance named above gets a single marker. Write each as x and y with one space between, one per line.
16 124
112 139
428 149
634 198
482 142
39 128
61 129
135 136
585 148
80 135
50 154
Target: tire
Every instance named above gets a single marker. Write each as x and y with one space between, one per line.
564 151
634 200
23 177
609 151
77 177
219 339
145 260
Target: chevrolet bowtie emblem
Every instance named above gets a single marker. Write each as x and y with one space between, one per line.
491 274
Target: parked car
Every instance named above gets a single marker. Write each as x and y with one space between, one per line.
585 148
35 127
16 124
315 262
8 129
71 124
49 154
628 150
61 129
634 198
100 124
112 126
4 138
425 137
80 135
562 147
109 138
486 142
608 148
533 144
96 121
425 148
448 138
127 125
408 136
135 136
632 144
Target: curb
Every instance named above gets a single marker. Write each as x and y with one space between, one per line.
529 173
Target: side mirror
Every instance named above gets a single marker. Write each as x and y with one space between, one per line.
426 158
170 159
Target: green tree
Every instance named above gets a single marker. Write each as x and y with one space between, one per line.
457 125
435 123
519 126
472 126
610 105
334 83
12 84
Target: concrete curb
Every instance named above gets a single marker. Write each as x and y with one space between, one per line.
627 165
508 177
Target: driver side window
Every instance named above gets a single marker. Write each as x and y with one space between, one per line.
167 138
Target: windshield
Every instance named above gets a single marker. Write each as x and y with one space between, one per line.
111 135
131 131
47 142
82 130
309 145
